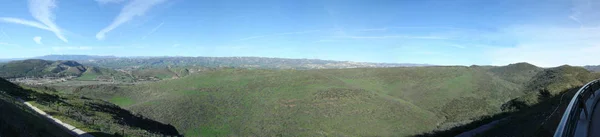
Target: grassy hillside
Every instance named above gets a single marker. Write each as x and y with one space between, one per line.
154 73
539 111
551 82
337 102
18 120
104 74
97 117
519 73
39 68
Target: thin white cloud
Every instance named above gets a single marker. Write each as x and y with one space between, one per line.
109 1
132 9
574 18
457 46
278 34
25 22
4 35
374 29
38 40
394 37
81 48
325 40
41 10
153 30
63 48
8 44
585 12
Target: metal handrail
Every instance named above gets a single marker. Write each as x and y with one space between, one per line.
568 123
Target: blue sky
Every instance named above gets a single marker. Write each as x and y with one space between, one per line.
456 32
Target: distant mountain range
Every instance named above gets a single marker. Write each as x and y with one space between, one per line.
594 68
236 62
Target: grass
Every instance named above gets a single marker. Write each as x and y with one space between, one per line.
121 101
88 76
98 117
18 120
330 102
338 102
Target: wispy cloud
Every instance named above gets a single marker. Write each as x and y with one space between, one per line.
585 12
153 30
132 9
8 44
278 34
373 29
3 34
81 48
394 37
457 46
38 40
109 1
63 48
325 40
25 22
41 10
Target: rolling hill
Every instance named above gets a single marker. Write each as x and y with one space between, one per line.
18 120
40 68
97 117
336 102
538 112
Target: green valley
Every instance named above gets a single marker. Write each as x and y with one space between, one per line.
337 102
398 101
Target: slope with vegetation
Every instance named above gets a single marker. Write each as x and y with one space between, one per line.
40 68
538 112
330 102
16 119
96 117
104 74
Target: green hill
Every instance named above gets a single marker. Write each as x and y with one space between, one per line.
104 74
330 102
40 68
539 111
339 102
97 117
519 73
551 82
18 120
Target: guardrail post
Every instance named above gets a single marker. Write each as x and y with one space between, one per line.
582 105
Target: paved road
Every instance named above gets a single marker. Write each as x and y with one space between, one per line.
73 130
480 129
595 123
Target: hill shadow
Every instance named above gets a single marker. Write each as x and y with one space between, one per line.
540 119
135 120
